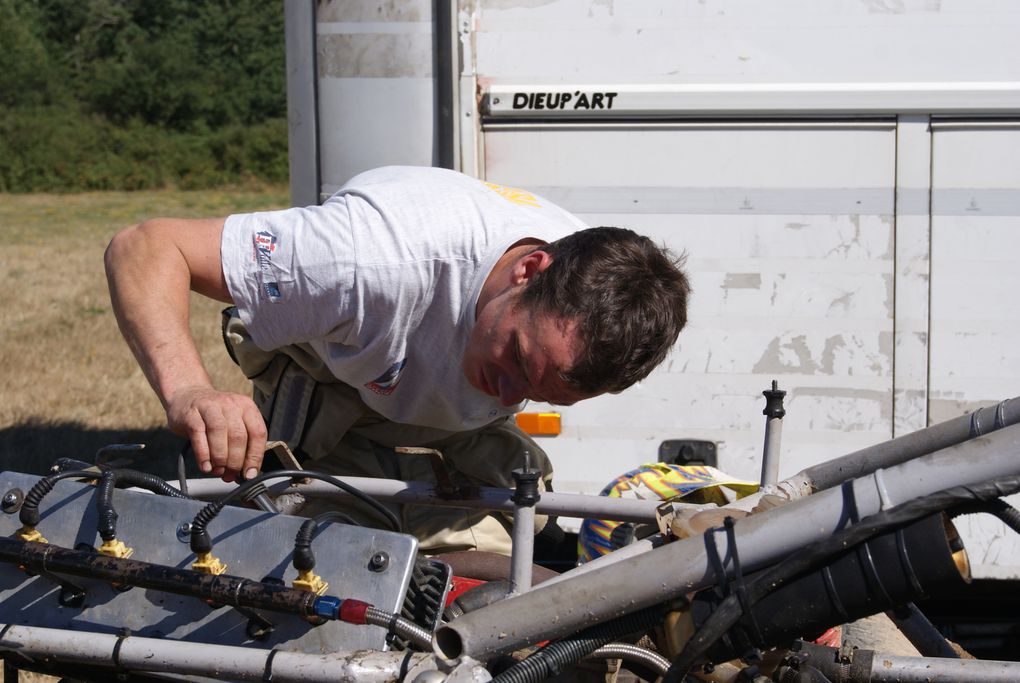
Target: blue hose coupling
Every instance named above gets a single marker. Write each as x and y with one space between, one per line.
327 607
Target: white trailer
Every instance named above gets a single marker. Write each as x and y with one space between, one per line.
843 176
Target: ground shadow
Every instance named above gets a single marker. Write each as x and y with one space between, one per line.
34 445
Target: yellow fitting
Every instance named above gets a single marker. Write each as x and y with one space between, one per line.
207 564
28 533
115 548
308 581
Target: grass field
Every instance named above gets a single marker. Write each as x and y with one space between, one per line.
68 384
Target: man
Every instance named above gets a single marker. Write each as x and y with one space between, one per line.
416 307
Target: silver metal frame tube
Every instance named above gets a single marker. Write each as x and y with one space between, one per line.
903 448
885 668
678 568
224 662
888 453
485 498
522 552
770 455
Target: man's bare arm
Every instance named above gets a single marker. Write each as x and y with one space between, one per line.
150 268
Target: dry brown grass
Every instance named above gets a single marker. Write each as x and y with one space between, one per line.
29 677
68 384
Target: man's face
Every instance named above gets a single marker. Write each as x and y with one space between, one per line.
514 355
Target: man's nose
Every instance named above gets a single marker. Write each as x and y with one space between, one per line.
511 390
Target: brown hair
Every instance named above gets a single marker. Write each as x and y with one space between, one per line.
628 296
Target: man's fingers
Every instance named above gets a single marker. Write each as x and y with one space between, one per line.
256 448
215 434
226 430
200 447
237 438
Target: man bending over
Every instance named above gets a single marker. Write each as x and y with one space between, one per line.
416 307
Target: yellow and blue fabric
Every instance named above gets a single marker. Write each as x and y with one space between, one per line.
694 483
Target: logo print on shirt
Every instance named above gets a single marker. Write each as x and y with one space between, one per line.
387 382
515 195
265 245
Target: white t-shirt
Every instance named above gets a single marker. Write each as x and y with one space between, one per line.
382 282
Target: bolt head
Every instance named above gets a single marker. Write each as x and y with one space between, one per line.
12 500
379 562
184 532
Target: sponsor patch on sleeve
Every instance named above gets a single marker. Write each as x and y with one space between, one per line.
265 244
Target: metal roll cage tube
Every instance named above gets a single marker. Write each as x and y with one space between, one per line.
158 655
423 493
888 453
675 569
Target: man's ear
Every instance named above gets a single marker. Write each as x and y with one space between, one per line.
530 264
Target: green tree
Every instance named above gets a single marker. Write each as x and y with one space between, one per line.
28 74
131 94
184 64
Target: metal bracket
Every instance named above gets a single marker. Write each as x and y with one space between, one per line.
445 486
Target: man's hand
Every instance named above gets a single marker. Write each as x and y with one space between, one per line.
151 267
226 430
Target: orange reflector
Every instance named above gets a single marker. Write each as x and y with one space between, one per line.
539 424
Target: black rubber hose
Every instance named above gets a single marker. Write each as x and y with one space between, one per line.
149 482
29 513
553 657
200 541
304 559
729 611
1008 514
478 597
106 523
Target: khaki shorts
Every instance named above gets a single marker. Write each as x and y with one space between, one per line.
326 422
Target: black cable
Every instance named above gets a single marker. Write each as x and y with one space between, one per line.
200 541
308 474
729 611
1008 514
258 496
550 659
336 516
